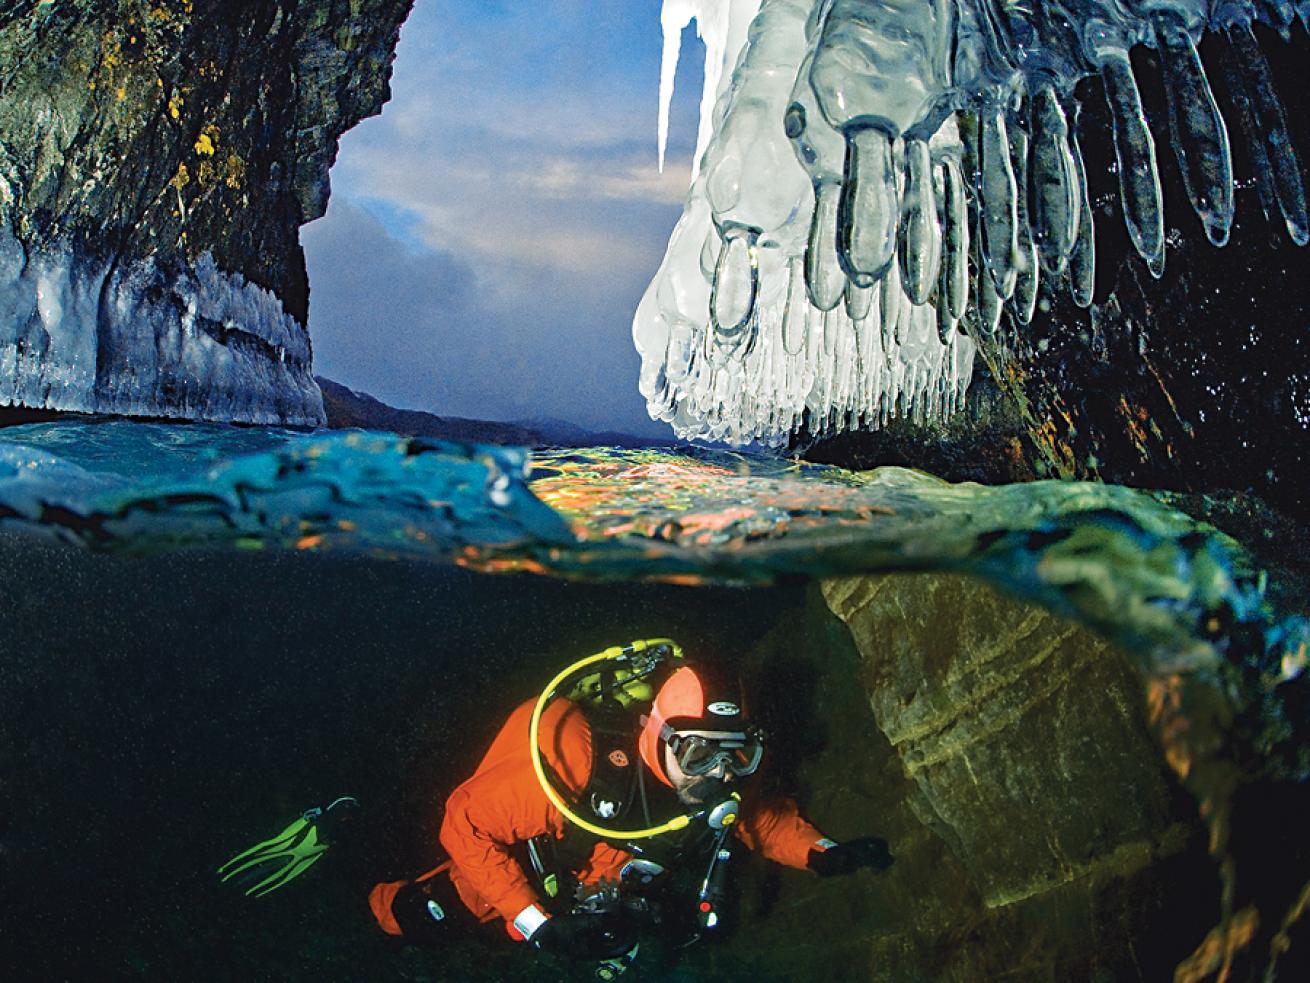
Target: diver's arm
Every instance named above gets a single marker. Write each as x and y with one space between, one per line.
775 828
503 804
483 817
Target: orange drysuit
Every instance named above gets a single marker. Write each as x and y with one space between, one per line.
503 804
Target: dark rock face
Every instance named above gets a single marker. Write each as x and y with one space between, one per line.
156 162
1008 760
1197 382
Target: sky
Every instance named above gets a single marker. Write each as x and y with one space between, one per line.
489 235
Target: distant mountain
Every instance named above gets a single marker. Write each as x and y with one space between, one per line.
561 433
349 408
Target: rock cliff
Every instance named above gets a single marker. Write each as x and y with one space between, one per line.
156 162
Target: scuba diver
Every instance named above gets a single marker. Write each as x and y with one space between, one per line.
609 806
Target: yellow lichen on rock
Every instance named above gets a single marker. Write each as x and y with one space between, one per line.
207 142
235 172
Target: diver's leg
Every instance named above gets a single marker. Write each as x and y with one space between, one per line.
424 911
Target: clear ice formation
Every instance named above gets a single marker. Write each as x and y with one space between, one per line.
876 182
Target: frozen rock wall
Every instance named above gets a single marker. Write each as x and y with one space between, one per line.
156 162
1198 381
889 187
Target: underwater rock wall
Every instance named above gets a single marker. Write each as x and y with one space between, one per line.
1025 735
156 162
1037 831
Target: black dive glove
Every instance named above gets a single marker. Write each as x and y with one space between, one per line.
586 936
844 858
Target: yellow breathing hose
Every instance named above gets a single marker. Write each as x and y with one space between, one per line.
614 652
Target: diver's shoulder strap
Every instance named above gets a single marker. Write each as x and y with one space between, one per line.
614 764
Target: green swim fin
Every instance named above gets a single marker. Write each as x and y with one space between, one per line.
274 862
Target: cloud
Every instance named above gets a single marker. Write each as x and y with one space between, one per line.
616 216
428 329
491 234
577 180
502 113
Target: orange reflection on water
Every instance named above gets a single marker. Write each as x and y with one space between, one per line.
1164 700
691 502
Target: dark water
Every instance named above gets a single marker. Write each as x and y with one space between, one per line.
163 713
206 630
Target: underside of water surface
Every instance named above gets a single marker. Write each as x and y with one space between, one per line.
1077 714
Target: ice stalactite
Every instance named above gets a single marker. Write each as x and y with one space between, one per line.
721 26
877 184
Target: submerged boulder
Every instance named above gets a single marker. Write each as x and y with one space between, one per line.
1038 832
1024 735
156 162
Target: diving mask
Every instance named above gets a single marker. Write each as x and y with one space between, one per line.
700 752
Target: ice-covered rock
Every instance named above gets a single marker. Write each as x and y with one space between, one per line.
934 136
156 163
134 339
